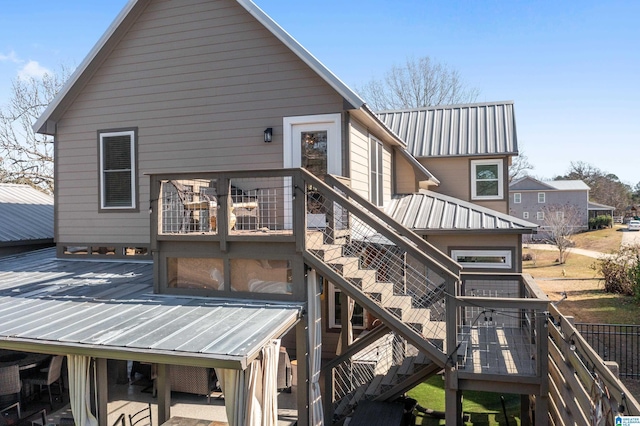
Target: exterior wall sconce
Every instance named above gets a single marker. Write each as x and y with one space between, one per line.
268 134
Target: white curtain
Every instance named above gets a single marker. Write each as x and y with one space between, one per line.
254 377
316 416
251 396
232 385
270 359
80 390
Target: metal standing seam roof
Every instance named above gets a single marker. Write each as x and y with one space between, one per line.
109 308
432 212
479 129
27 214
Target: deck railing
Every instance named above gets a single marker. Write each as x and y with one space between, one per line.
501 325
582 388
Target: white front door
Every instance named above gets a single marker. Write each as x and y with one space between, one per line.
313 142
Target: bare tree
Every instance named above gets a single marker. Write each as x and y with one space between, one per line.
519 166
417 83
559 224
27 157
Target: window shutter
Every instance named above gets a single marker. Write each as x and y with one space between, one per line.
117 169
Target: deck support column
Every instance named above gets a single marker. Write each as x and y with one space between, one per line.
163 390
102 389
452 398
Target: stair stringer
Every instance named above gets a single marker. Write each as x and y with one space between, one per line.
395 324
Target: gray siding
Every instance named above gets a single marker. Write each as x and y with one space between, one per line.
578 199
200 80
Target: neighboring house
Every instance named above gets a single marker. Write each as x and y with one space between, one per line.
201 137
27 219
533 200
467 147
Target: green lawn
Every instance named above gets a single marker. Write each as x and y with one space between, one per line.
483 408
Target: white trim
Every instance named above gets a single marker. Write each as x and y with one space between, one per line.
540 215
332 309
544 197
505 254
525 215
498 162
132 170
517 197
329 122
291 152
378 198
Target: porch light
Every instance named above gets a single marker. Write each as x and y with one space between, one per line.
268 133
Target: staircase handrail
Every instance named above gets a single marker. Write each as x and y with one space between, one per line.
357 346
422 250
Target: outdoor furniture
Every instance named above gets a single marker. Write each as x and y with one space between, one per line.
142 417
48 376
10 385
189 379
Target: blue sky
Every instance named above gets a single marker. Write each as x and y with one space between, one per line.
572 67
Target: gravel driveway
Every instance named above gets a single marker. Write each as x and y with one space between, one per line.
630 237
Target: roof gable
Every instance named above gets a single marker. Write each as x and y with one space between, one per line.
479 129
46 123
528 183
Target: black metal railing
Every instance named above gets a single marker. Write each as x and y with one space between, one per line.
615 342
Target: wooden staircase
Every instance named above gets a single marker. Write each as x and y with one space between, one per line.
349 266
397 380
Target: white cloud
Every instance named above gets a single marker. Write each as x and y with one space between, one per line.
11 57
32 69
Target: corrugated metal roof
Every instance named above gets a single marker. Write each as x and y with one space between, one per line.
432 212
110 307
27 214
459 130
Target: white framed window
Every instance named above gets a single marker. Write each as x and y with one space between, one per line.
487 180
358 319
517 197
485 259
540 215
525 215
376 153
541 197
118 180
560 214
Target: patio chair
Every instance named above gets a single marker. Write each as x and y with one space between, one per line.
142 417
10 385
48 376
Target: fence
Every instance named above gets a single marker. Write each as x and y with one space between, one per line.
615 342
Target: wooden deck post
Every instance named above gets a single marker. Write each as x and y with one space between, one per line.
452 398
102 388
163 389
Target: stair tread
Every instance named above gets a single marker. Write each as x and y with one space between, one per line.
373 387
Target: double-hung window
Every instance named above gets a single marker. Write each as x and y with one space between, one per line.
118 170
487 179
376 179
517 198
541 197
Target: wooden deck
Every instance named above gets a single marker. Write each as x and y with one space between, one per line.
496 350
